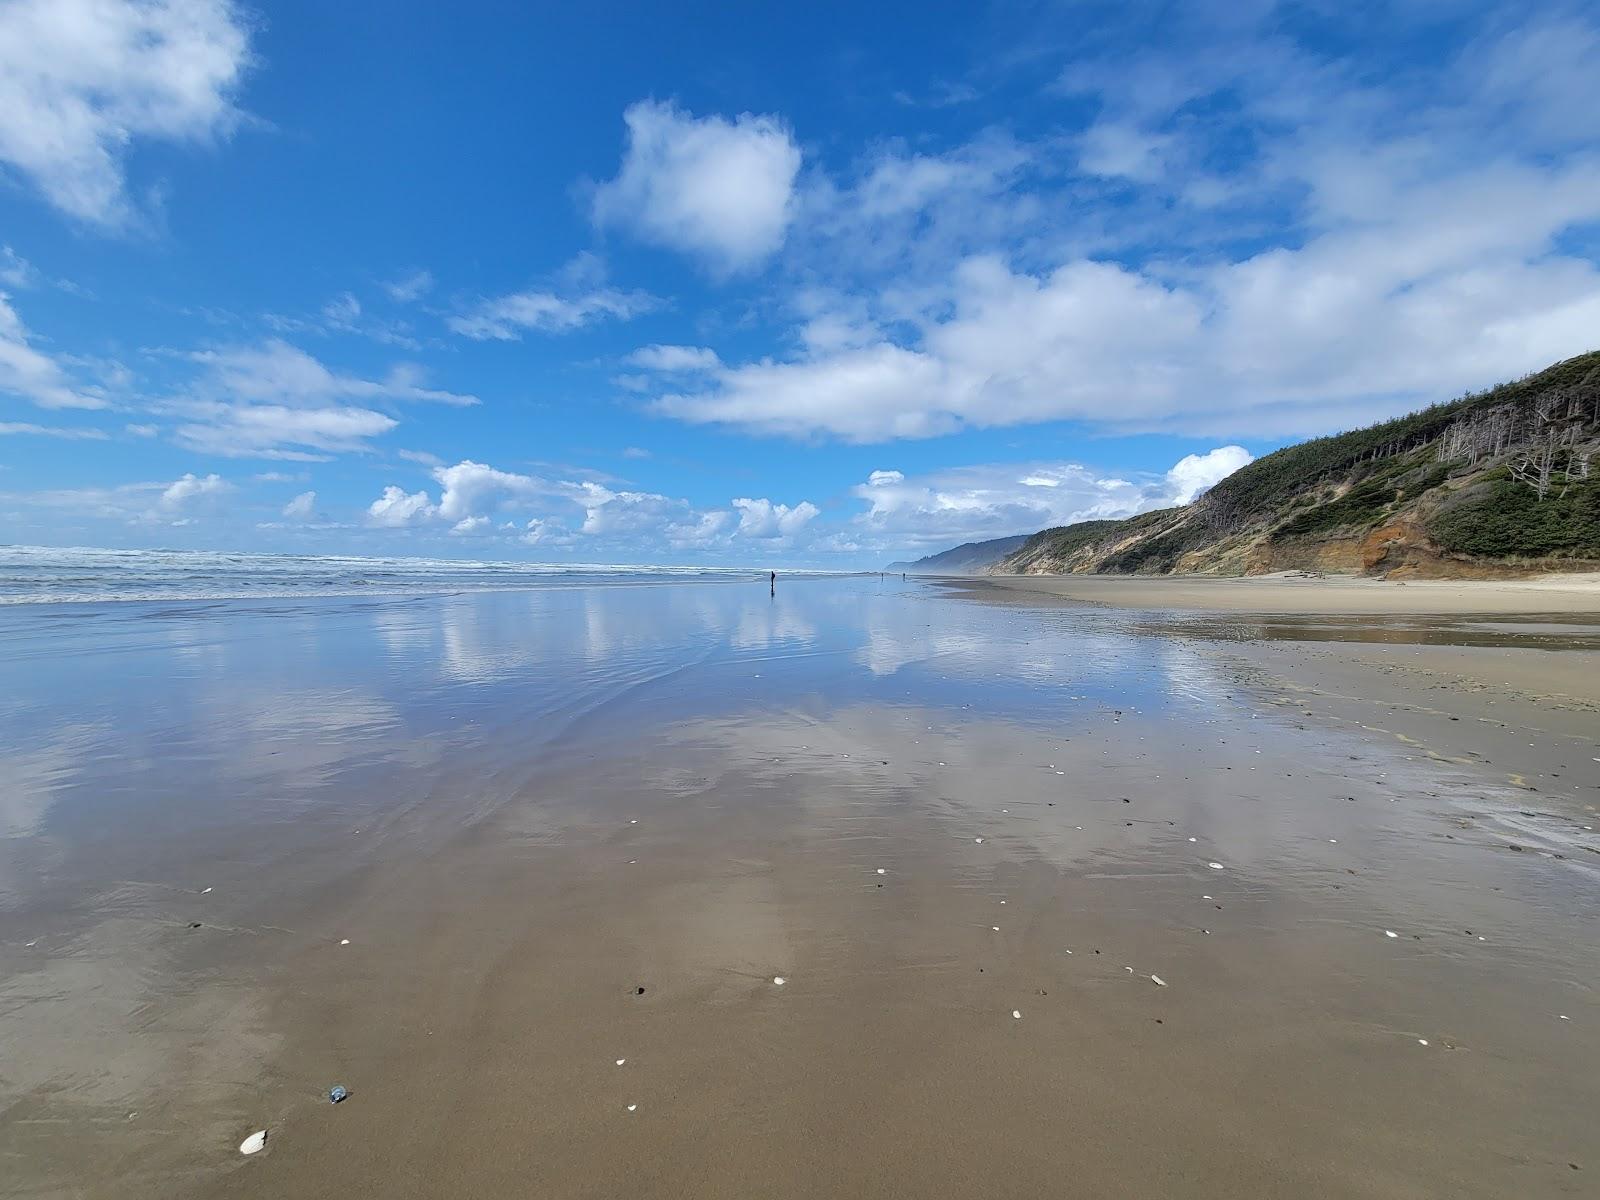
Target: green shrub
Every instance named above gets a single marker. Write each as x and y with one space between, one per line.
1507 520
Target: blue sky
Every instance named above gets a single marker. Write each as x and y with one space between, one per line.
824 284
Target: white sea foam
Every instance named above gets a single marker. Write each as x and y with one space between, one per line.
73 575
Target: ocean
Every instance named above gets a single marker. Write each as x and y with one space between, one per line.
68 575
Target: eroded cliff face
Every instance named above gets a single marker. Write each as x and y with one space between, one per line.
1500 484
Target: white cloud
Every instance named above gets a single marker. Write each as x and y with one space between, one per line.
276 401
1441 295
342 312
409 288
1195 473
764 519
395 508
608 512
507 318
1115 150
302 508
674 358
33 375
467 491
699 532
141 431
193 487
178 502
715 189
470 488
16 271
82 80
963 504
1253 237
15 428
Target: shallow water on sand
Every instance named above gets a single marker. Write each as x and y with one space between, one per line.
430 848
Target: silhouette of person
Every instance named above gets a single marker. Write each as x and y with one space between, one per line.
773 585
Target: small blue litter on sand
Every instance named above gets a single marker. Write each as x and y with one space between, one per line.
336 1094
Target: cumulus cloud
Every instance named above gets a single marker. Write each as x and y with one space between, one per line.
764 519
471 487
467 490
31 374
193 487
396 508
276 401
718 190
607 512
302 508
1342 238
946 508
474 497
1439 302
83 80
1196 473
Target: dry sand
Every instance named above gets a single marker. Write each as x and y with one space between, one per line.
1294 593
933 816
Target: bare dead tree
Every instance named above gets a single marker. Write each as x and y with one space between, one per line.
1536 467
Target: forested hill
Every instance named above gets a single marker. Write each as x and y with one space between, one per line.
1497 481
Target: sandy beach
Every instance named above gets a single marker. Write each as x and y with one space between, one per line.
1142 902
1293 592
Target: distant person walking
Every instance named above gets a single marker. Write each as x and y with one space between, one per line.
773 584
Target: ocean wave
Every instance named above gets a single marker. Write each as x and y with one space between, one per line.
79 575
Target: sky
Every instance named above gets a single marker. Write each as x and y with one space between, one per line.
817 285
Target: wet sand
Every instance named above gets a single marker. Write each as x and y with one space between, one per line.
521 810
1292 592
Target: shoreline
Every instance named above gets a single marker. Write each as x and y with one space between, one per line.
1308 596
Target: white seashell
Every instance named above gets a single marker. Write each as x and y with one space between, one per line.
632 1107
1216 866
1422 1041
1158 981
1390 933
978 840
1016 1014
344 941
778 979
620 1061
203 891
996 928
881 871
254 1142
